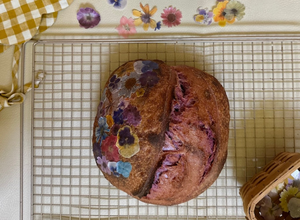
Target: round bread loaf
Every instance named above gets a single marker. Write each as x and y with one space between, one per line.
161 132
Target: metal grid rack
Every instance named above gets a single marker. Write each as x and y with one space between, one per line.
261 78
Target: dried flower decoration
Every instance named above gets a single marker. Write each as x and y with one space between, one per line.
88 18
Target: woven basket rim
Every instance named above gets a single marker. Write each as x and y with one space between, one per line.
269 183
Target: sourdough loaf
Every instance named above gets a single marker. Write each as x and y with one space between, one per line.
161 132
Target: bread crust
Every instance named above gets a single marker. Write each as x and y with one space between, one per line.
202 123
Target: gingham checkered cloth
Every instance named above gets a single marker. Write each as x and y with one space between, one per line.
19 22
20 19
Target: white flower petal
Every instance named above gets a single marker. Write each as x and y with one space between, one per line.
294 207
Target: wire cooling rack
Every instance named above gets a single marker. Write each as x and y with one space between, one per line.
261 78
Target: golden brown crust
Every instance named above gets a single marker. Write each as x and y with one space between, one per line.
210 109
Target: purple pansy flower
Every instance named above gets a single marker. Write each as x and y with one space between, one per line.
132 115
103 162
113 168
118 4
118 116
143 66
149 79
114 84
204 16
126 138
88 17
128 142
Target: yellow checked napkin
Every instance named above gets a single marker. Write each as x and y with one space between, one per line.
20 20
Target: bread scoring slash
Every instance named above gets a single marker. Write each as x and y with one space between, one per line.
161 132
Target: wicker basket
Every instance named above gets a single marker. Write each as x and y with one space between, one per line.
281 167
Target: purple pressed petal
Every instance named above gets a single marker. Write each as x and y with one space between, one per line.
202 12
112 79
210 14
149 79
132 115
125 137
88 17
82 10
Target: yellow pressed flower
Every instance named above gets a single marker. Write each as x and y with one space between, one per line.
286 195
199 18
140 92
145 17
109 120
127 142
219 14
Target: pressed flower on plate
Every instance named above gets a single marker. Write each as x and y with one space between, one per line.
118 116
145 18
129 84
88 18
101 130
171 16
126 27
204 16
294 207
143 66
286 195
113 168
131 115
110 149
124 168
118 4
140 92
149 79
103 162
219 14
128 142
109 120
114 83
158 26
234 9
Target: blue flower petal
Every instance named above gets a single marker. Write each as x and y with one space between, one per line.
158 26
124 168
101 130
